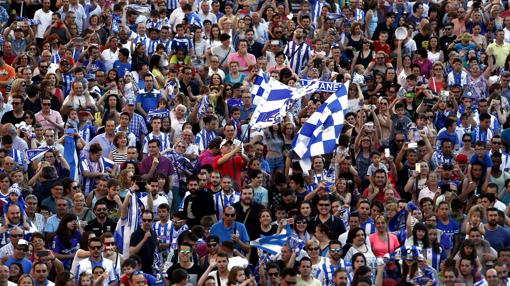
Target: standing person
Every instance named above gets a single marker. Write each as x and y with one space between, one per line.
382 241
230 162
305 270
228 229
144 242
96 259
498 236
297 51
199 203
155 163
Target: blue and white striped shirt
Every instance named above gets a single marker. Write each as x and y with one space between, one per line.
89 166
203 138
151 46
67 82
163 139
221 200
298 55
327 270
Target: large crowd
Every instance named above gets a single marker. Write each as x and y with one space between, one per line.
128 156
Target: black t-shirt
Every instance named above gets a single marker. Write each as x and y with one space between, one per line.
10 118
146 253
113 208
194 272
98 229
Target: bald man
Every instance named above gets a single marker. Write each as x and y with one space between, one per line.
492 277
4 276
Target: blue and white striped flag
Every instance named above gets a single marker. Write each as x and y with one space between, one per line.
271 244
202 105
194 19
320 132
37 153
71 157
276 100
128 224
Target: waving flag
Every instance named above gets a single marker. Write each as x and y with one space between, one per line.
71 156
320 132
202 105
37 153
128 224
271 244
276 99
157 113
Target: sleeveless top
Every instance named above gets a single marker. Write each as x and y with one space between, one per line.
358 45
365 61
433 57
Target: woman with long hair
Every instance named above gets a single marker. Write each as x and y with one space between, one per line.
364 56
403 64
214 37
83 252
354 98
156 70
274 142
51 88
434 52
419 236
434 253
138 56
199 48
357 243
305 210
299 228
110 105
66 239
237 277
382 241
371 19
25 280
82 212
437 80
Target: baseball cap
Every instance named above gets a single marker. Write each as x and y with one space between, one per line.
461 158
225 141
22 242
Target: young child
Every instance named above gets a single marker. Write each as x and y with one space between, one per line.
163 229
358 76
375 159
15 198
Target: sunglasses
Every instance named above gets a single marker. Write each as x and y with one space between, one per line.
212 244
146 220
230 215
324 205
95 247
46 104
313 248
275 274
336 250
301 222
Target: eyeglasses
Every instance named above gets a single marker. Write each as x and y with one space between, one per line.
230 215
109 243
313 248
16 235
46 104
385 103
335 250
146 220
301 222
95 247
212 244
101 209
275 274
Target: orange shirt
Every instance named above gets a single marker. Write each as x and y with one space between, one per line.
7 73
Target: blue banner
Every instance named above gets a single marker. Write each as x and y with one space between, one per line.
324 86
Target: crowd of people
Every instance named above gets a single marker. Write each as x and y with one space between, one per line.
128 156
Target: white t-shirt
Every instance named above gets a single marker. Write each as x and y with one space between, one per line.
222 282
45 19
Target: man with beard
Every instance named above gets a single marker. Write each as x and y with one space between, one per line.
340 277
335 224
248 211
198 203
226 197
144 242
498 236
101 223
297 51
333 263
449 276
215 180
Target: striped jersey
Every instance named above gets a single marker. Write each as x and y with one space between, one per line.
163 139
297 55
326 271
203 138
221 200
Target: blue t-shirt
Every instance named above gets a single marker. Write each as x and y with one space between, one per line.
498 238
449 231
121 68
148 100
96 65
181 43
226 233
443 134
25 263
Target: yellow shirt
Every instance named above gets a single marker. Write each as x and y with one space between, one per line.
311 282
500 53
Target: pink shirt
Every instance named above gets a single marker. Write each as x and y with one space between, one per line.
242 62
53 116
380 248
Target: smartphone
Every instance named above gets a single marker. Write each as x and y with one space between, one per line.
366 106
43 253
418 167
412 145
386 152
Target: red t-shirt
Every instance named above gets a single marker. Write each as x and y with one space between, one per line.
378 46
233 167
